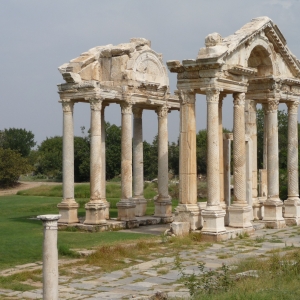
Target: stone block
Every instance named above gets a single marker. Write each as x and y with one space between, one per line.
240 216
163 208
213 221
140 206
95 213
180 228
126 210
68 210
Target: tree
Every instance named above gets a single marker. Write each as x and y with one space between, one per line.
12 165
201 150
174 157
17 139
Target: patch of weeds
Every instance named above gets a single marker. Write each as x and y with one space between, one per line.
260 239
243 235
274 240
162 271
64 250
224 255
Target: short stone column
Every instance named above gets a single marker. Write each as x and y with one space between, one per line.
126 207
188 209
96 207
138 163
103 161
163 203
50 257
240 210
273 204
213 215
68 207
292 204
251 131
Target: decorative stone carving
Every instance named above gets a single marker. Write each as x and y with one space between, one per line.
126 107
187 96
239 99
96 103
293 107
213 39
212 95
67 105
272 106
162 111
137 112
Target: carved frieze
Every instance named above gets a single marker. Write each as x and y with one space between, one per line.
188 75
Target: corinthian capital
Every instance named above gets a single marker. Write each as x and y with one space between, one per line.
67 105
239 99
187 96
293 107
137 112
126 107
162 111
272 105
95 103
213 95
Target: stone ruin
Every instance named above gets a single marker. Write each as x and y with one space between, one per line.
254 65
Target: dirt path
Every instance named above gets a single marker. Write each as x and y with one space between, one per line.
24 185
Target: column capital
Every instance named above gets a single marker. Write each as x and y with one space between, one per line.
272 105
293 107
239 99
49 221
126 107
212 95
162 111
67 105
95 103
251 104
137 112
187 96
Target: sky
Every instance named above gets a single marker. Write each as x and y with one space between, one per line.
36 37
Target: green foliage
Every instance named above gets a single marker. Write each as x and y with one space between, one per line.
17 139
151 159
174 158
201 144
65 250
12 165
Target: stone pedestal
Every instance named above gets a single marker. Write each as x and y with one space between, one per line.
68 207
213 215
240 210
126 206
292 204
96 207
189 213
50 257
273 205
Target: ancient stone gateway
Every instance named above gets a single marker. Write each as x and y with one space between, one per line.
133 76
255 66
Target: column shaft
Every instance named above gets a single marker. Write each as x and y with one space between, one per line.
221 159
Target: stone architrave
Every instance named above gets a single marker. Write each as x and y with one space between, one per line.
163 203
126 207
251 131
188 210
103 162
96 207
68 207
213 215
50 257
138 163
240 210
292 204
273 204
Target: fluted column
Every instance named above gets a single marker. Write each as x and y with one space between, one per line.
188 161
239 211
213 215
273 205
95 208
68 207
126 207
163 204
292 204
138 163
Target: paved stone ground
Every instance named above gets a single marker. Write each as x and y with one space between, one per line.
145 278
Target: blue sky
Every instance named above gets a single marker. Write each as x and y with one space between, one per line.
38 36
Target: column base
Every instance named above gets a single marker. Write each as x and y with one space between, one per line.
240 216
140 206
163 207
95 212
273 214
68 209
107 204
189 213
126 210
213 220
226 218
257 209
292 211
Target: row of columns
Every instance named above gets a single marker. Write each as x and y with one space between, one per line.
132 203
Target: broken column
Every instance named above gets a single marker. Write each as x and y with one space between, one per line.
50 257
239 211
292 204
273 204
68 207
96 207
163 204
138 163
213 215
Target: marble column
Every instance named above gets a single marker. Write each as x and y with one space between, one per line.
188 208
240 210
213 215
292 204
68 207
163 203
126 207
50 257
138 163
273 205
251 131
103 162
221 160
96 207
